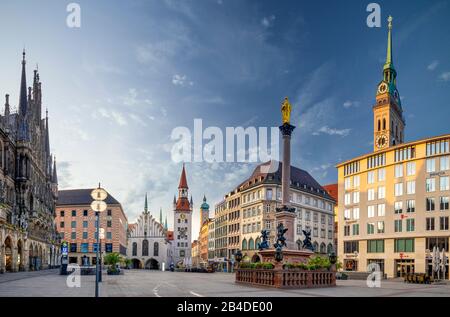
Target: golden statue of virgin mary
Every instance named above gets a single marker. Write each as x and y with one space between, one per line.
286 111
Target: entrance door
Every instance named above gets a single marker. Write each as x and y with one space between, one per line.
404 267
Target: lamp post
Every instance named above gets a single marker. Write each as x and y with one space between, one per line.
98 205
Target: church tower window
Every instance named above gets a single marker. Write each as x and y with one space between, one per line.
145 247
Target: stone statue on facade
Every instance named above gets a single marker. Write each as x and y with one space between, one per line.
281 240
265 240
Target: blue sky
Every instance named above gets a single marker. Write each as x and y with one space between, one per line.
116 87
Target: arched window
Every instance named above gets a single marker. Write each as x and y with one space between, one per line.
316 247
251 244
155 249
384 124
330 248
145 247
379 125
134 249
257 242
244 244
323 248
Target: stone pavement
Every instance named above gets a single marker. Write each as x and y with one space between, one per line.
179 284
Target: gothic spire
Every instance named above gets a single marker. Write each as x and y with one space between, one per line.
23 104
146 204
389 73
54 175
7 109
165 223
160 216
183 181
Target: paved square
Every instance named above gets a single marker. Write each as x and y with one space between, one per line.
161 284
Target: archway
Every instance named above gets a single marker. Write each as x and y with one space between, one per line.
251 244
323 248
136 264
256 258
330 248
316 247
8 255
152 264
20 255
31 255
39 259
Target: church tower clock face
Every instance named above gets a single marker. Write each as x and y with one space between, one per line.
381 141
382 88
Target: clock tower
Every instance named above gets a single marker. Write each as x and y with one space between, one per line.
388 120
182 222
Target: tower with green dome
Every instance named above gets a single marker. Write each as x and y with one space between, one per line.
204 212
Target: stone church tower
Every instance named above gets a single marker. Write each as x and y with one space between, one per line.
182 222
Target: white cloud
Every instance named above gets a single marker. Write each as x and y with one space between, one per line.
433 65
445 76
348 104
115 116
268 21
332 131
181 80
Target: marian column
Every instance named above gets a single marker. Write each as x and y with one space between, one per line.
285 214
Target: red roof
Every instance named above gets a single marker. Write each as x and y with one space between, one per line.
183 204
332 190
183 181
169 235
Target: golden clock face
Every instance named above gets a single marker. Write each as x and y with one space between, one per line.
382 88
182 216
381 141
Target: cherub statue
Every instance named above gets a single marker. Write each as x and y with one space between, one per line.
307 242
264 237
286 111
281 240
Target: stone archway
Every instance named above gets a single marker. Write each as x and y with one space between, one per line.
8 254
256 258
136 264
152 264
20 255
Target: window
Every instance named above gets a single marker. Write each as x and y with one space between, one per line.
145 247
73 224
351 246
74 213
322 233
95 247
381 174
410 225
410 205
73 247
405 153
411 168
429 224
85 213
315 232
445 185
109 235
308 215
356 213
411 187
108 247
399 170
356 197
431 185
370 211
371 194
404 245
84 248
61 224
431 165
109 212
398 225
445 163
351 168
370 177
380 227
375 246
346 231
73 235
109 223
85 235
315 217
381 210
376 160
85 224
155 249
355 229
348 183
398 189
430 204
398 207
356 181
370 228
322 219
381 192
444 203
134 249
268 194
439 242
62 213
437 147
443 223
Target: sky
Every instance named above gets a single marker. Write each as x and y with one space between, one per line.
116 87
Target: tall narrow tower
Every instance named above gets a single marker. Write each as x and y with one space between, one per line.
388 121
182 222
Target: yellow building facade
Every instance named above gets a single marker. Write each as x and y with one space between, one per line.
394 202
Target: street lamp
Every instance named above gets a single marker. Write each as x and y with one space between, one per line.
98 205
